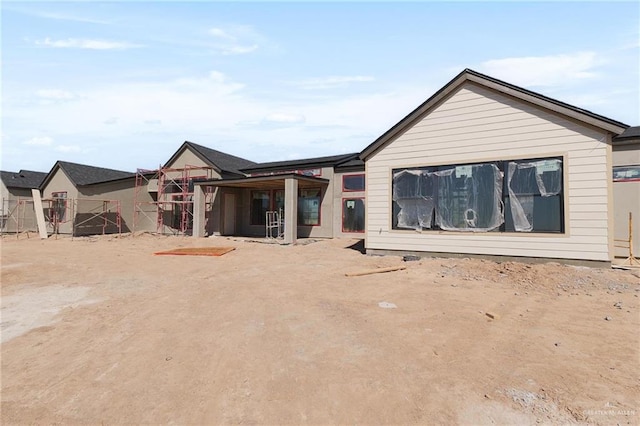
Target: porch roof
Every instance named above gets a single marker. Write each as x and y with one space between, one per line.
266 182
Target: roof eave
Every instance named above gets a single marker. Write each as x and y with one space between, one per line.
510 90
198 154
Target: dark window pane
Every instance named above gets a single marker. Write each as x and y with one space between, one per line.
309 207
534 198
353 183
259 207
353 215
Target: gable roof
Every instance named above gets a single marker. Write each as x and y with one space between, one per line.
220 161
328 161
24 179
468 75
83 175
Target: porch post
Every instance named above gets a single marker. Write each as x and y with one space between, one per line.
290 210
198 211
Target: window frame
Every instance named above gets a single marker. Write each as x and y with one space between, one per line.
364 206
502 165
320 197
270 200
364 182
58 206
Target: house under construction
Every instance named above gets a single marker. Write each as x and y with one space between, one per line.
164 197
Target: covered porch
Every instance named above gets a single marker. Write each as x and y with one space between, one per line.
286 185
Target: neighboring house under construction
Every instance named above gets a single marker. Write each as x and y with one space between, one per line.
16 202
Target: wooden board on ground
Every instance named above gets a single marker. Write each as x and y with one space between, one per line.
197 251
375 271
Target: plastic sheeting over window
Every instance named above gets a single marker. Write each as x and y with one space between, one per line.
525 181
465 198
470 198
413 192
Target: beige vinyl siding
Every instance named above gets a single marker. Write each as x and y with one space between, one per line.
626 196
476 124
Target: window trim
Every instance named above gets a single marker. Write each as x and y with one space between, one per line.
268 191
65 205
364 228
364 181
319 188
503 166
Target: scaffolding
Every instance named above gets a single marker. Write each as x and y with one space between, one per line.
79 216
163 198
96 215
17 216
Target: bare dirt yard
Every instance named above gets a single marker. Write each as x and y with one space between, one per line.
99 330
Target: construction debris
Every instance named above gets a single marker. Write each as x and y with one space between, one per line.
375 271
197 251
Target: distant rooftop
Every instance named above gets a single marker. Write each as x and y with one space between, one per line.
25 179
82 175
328 161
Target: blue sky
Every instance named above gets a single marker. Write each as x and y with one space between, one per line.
123 84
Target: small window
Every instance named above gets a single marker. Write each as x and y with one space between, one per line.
626 173
353 215
353 183
59 207
309 207
260 201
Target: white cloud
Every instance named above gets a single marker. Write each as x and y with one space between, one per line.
67 148
220 33
554 70
39 141
55 94
331 82
58 16
236 39
111 121
77 43
285 118
238 50
215 82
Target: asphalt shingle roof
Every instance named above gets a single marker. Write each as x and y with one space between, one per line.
629 133
306 162
26 179
225 162
82 175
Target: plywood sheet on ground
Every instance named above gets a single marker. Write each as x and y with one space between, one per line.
197 251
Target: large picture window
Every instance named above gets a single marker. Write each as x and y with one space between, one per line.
309 203
353 215
507 196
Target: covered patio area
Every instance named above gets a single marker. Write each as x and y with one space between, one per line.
287 184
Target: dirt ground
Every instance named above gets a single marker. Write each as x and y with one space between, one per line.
99 330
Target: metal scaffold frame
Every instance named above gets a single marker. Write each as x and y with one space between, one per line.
174 197
13 216
19 217
109 212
